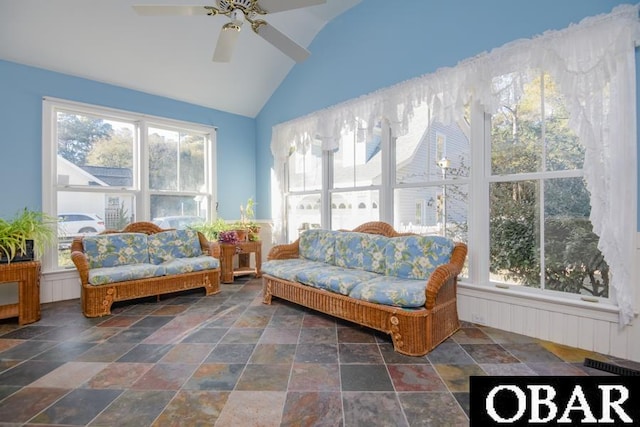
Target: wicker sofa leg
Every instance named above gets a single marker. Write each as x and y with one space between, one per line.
96 302
108 301
396 335
211 287
266 291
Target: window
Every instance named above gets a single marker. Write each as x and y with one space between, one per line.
304 176
540 233
540 237
356 177
108 168
431 179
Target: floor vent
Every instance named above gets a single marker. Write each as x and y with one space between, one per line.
609 367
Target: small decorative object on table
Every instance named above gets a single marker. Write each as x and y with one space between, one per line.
247 228
230 237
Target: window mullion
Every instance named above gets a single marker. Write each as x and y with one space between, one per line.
388 174
141 152
327 186
479 239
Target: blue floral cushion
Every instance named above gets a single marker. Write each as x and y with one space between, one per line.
121 273
317 245
392 291
361 250
171 244
187 265
288 268
334 279
415 257
112 250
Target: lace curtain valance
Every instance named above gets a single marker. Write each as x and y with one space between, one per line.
593 63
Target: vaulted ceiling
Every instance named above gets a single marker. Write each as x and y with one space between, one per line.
171 56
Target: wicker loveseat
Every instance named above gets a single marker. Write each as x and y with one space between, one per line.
142 260
398 283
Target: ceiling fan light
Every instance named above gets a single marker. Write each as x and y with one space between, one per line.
237 16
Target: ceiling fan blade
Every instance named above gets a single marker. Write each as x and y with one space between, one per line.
273 6
160 10
226 42
282 42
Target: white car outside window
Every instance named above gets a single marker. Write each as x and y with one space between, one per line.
77 224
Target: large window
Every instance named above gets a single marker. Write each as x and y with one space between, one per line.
540 233
528 180
110 168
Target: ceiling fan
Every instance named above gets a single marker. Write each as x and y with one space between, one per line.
239 11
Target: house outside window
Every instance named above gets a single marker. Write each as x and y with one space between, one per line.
304 179
122 167
355 182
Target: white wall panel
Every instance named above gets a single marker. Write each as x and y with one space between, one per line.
585 333
571 329
544 324
601 337
619 342
59 286
530 327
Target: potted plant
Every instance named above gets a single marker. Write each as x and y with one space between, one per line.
212 230
24 237
229 236
247 220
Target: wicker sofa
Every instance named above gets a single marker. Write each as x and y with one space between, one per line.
398 283
142 260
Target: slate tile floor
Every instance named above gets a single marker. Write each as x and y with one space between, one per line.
229 360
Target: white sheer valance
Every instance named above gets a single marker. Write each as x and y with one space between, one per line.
593 63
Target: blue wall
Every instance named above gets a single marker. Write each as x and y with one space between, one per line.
370 47
21 91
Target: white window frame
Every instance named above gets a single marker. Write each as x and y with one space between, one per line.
140 188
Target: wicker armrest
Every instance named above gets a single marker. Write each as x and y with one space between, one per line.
81 262
214 249
211 248
286 251
446 274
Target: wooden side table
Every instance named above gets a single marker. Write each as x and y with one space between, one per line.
27 275
243 250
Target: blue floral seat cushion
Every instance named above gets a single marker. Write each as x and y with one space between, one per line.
415 257
318 245
172 244
406 293
334 279
121 273
361 250
288 268
187 265
117 249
